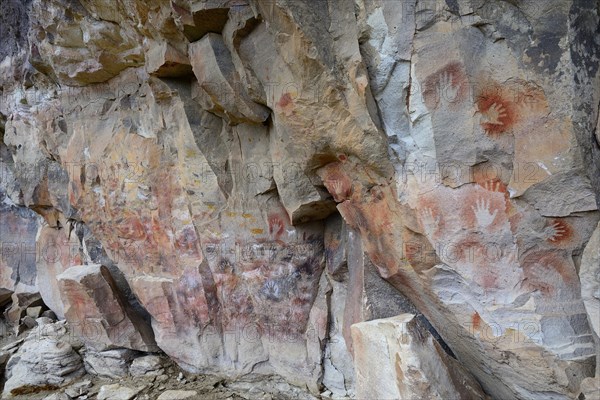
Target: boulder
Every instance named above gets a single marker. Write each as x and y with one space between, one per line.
150 365
99 313
34 312
45 361
77 389
112 364
20 303
59 251
116 392
395 358
178 395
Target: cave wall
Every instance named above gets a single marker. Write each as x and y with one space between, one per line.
261 175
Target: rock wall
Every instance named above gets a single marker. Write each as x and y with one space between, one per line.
258 176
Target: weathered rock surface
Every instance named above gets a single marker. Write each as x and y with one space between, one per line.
77 389
57 396
178 395
149 365
198 150
20 302
117 392
18 229
220 89
45 361
589 275
109 363
414 364
590 389
98 313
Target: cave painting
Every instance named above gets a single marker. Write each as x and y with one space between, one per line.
498 113
429 222
539 135
483 213
446 87
338 191
468 212
276 226
548 271
494 185
504 106
558 231
338 185
282 284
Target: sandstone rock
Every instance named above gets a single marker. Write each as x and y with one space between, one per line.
20 303
33 312
116 392
57 396
50 315
45 321
589 275
590 389
83 50
395 358
28 322
18 227
78 389
108 364
200 17
45 361
99 313
13 346
60 250
7 351
165 61
220 90
458 141
150 365
358 294
177 395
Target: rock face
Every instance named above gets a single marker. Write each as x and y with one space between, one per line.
399 349
18 229
98 313
589 274
258 176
